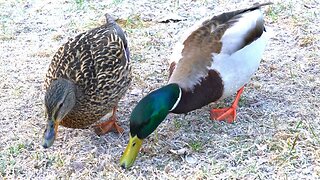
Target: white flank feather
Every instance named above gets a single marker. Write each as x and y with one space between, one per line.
236 69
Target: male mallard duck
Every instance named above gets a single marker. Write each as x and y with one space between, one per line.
216 60
86 79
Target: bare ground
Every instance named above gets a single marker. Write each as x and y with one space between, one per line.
276 135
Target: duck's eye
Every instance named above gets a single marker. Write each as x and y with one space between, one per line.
133 144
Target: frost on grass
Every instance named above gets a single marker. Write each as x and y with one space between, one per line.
277 133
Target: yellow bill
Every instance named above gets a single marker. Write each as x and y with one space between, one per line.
131 152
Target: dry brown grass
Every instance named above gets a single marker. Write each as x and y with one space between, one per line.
277 133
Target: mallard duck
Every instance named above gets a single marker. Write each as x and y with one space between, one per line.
85 81
214 62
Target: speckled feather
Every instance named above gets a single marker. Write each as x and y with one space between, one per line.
97 61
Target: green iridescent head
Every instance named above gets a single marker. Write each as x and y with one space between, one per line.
147 116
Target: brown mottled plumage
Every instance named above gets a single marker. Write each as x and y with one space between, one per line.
86 79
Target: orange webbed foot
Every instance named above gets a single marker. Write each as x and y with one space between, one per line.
228 114
109 125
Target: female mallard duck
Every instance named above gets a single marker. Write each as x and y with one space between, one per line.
85 81
215 61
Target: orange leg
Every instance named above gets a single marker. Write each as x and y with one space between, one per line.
109 125
228 114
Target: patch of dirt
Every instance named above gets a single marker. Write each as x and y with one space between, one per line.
276 134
